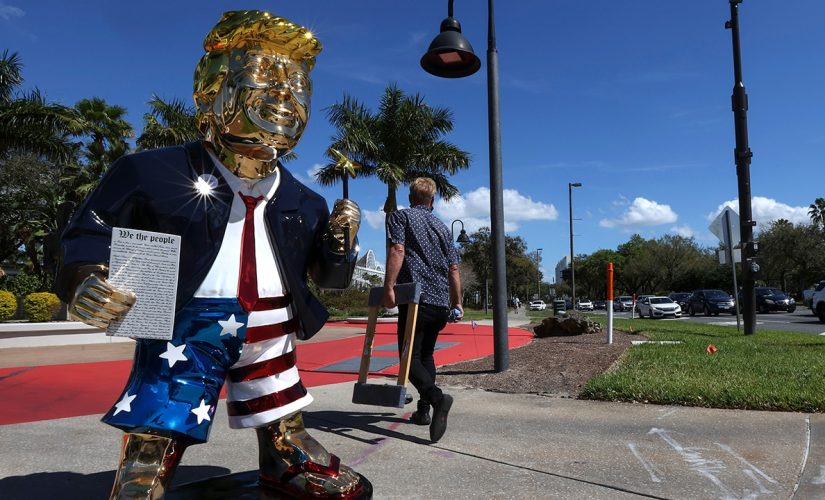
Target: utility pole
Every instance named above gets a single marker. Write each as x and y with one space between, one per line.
742 155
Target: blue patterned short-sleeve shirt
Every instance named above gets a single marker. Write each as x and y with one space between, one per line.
428 252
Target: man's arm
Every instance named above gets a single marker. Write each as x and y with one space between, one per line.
454 278
395 258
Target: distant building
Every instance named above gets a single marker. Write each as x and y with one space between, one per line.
561 266
368 271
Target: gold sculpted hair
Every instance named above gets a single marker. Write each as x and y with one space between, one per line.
248 29
422 190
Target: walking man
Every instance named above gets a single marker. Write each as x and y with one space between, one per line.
421 250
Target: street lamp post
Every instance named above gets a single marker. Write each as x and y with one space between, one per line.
462 235
570 186
451 56
538 272
742 156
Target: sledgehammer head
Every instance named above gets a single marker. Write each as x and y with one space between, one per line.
379 395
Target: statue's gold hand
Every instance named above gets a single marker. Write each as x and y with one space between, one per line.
97 303
343 225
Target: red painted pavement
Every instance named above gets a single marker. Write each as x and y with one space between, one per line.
58 391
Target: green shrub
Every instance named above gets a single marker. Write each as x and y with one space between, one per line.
345 300
8 305
41 306
22 284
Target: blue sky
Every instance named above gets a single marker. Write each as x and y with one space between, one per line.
632 99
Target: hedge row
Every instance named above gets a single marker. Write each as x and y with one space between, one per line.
38 306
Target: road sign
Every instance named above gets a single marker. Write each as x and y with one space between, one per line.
717 227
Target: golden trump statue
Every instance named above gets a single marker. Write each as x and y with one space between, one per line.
250 235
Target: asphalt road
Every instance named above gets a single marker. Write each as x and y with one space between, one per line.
801 320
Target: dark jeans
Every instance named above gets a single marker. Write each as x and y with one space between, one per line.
431 320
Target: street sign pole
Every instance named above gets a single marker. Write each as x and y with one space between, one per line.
729 250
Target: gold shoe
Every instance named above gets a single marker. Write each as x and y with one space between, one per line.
293 463
147 463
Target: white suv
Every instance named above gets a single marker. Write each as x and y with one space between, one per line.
584 305
538 305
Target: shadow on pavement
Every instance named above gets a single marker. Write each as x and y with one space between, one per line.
342 422
75 486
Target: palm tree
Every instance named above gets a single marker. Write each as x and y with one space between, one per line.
167 124
105 131
400 142
30 123
816 211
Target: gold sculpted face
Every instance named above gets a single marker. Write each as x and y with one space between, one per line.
252 89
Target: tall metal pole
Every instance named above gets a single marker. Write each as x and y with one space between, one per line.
572 265
501 354
742 156
572 272
538 274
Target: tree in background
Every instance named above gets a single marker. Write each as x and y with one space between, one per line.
30 124
103 135
522 267
167 124
400 142
792 256
36 147
816 211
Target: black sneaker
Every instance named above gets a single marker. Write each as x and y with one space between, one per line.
422 415
420 418
439 421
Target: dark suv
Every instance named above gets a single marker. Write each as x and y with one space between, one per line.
773 299
710 302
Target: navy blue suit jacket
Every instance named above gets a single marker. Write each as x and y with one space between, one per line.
155 191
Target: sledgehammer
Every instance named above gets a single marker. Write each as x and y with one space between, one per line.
387 394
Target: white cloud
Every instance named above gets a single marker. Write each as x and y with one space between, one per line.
767 210
374 218
313 171
8 12
642 212
473 208
683 231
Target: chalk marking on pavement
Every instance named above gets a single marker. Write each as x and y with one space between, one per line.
666 414
820 479
747 464
379 444
759 484
702 466
649 467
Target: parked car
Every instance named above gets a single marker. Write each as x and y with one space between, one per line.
773 299
599 304
584 305
537 305
680 298
710 301
659 307
640 298
808 295
623 303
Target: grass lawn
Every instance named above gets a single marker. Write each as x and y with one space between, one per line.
770 370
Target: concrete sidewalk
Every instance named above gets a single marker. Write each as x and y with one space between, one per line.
496 446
